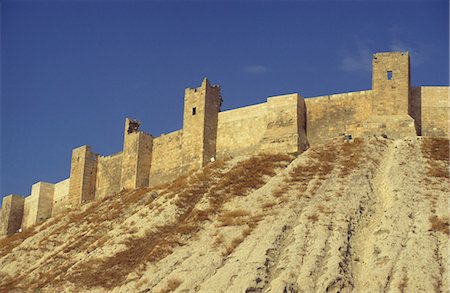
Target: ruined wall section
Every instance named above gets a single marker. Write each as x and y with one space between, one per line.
109 170
331 116
166 157
12 213
60 197
429 106
240 131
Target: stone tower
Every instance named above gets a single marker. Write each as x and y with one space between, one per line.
201 108
136 156
83 170
11 214
390 83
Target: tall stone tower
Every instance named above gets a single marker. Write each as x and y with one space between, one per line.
390 83
136 156
83 169
201 108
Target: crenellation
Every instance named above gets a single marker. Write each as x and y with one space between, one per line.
286 123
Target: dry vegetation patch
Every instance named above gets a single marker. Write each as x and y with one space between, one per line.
436 151
350 156
186 192
172 284
441 225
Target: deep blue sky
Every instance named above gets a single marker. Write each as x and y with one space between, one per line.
73 70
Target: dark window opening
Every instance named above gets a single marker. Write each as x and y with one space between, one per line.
194 111
389 75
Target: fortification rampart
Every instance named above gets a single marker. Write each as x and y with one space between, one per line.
286 123
167 156
333 115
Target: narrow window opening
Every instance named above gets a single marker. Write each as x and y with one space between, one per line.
194 111
389 75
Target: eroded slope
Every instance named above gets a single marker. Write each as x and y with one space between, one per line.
367 216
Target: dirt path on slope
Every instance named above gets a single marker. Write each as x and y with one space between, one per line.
364 242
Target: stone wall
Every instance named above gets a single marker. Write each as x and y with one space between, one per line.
39 205
429 106
285 125
330 116
166 157
108 175
275 126
239 131
12 213
60 197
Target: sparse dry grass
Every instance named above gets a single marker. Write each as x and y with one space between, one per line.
313 218
441 225
350 156
280 191
436 151
268 205
172 284
322 161
218 241
232 246
186 192
403 284
233 218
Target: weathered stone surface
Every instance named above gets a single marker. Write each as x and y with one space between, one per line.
12 213
108 179
82 176
136 157
60 198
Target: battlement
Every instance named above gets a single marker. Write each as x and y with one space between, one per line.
283 124
205 85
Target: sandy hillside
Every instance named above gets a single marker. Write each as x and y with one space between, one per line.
367 216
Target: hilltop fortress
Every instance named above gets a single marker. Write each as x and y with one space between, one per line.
287 123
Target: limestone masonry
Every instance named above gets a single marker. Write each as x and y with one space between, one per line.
287 123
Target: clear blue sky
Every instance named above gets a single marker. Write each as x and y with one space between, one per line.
73 70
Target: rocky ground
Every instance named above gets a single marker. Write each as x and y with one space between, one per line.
366 216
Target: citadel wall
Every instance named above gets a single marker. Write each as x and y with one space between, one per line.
166 157
430 108
287 123
108 175
60 197
39 205
333 115
240 131
275 126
